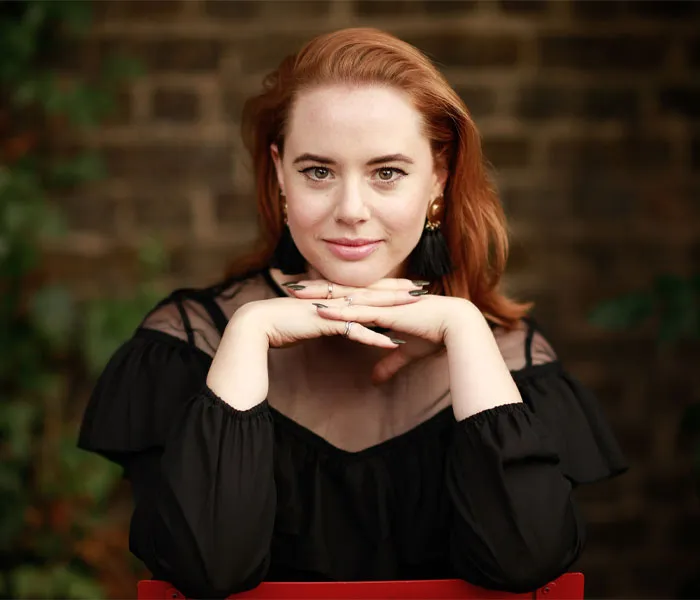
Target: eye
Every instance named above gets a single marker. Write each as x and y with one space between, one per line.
316 173
389 174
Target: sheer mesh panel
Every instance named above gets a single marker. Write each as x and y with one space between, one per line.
514 347
185 317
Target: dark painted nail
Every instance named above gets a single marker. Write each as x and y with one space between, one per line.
296 287
289 283
420 283
418 292
319 305
397 341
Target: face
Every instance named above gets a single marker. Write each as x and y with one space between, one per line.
358 175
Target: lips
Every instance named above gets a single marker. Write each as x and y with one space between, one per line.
352 248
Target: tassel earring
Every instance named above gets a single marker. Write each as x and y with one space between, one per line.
286 256
430 259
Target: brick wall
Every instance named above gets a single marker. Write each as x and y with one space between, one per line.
590 111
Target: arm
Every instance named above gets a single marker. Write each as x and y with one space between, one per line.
201 467
516 526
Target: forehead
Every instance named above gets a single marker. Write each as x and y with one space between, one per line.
341 118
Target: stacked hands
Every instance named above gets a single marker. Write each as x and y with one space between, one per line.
419 323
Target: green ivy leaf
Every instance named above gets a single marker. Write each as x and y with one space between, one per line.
81 169
624 312
53 313
17 420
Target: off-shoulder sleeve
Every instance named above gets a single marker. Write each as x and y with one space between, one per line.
510 475
148 379
201 472
586 446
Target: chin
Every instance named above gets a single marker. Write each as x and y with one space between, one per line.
356 274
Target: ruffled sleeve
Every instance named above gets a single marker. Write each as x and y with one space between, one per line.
587 449
148 379
202 472
510 475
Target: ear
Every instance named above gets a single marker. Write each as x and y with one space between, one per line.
277 159
439 181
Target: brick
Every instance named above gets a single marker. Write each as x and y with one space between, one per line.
233 9
87 212
682 101
544 101
508 152
535 204
170 162
464 50
686 532
259 55
143 10
393 8
593 10
603 198
621 534
671 488
179 105
123 109
161 210
525 7
480 101
181 55
605 53
695 153
232 208
663 9
307 9
633 153
692 50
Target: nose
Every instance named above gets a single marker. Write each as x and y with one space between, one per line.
351 207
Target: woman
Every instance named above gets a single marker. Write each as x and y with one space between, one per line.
358 402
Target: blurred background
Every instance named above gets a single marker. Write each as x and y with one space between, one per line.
122 176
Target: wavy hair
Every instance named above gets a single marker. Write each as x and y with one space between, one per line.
474 222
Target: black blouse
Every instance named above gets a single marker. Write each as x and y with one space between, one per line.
225 499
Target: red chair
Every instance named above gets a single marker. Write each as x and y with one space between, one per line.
566 587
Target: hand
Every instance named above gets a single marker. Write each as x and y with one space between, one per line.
426 322
285 321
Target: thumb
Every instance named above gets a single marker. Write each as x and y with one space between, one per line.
388 366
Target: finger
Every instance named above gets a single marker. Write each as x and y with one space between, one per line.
388 366
374 315
367 297
319 288
358 333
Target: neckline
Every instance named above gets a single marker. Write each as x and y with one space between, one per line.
270 280
311 438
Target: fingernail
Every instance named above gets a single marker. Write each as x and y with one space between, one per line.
319 305
288 283
420 282
295 286
418 292
397 341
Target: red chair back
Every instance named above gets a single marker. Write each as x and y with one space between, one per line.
566 587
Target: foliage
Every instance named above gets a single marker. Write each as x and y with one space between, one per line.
57 537
672 304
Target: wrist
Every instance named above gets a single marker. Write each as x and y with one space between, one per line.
464 322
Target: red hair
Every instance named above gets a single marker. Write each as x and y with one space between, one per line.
473 224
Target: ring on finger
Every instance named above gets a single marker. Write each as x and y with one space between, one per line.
348 325
330 291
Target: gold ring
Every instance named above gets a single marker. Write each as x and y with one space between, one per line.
330 291
348 325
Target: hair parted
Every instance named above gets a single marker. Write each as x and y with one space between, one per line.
474 223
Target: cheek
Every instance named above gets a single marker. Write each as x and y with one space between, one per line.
304 211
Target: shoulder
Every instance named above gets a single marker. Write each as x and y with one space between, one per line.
198 316
524 346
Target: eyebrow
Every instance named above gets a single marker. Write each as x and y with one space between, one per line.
374 161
